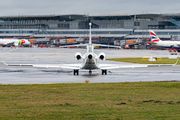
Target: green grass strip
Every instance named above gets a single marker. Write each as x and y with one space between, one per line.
142 100
140 61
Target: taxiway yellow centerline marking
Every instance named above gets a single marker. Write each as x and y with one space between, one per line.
56 52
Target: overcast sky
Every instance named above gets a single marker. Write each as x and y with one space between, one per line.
91 7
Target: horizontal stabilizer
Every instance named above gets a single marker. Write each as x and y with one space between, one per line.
61 66
106 45
73 45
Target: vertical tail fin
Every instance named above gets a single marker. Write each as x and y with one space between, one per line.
90 41
90 47
154 37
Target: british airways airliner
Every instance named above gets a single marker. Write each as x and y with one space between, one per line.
156 41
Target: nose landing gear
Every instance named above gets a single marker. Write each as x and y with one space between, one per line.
90 72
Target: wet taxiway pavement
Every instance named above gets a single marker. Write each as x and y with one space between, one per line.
29 75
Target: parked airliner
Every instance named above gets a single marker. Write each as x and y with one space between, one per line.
15 42
156 41
89 61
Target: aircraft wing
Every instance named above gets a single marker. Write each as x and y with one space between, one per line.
93 45
116 66
160 65
106 45
61 66
73 45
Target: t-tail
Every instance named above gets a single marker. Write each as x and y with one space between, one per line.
90 41
90 47
154 37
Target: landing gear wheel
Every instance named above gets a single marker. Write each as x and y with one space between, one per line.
76 72
90 72
104 72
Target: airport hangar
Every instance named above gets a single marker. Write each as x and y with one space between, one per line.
105 28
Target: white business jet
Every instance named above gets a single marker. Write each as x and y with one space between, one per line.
89 61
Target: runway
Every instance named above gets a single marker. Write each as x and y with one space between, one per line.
29 75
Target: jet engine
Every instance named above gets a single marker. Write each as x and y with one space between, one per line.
16 44
78 56
90 56
102 56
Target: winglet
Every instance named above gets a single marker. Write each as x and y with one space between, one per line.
5 63
176 61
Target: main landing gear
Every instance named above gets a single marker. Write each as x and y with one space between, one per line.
104 72
76 72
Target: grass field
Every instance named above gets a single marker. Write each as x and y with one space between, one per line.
139 60
142 100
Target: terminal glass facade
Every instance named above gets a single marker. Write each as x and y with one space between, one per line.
102 25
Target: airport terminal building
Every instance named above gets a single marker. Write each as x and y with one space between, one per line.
104 27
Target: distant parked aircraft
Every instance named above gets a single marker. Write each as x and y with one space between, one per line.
15 42
155 41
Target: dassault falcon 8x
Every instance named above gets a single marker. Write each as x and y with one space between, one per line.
89 60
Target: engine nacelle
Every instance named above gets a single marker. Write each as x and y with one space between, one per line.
102 56
90 56
78 56
16 44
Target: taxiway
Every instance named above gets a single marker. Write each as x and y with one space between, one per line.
29 75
